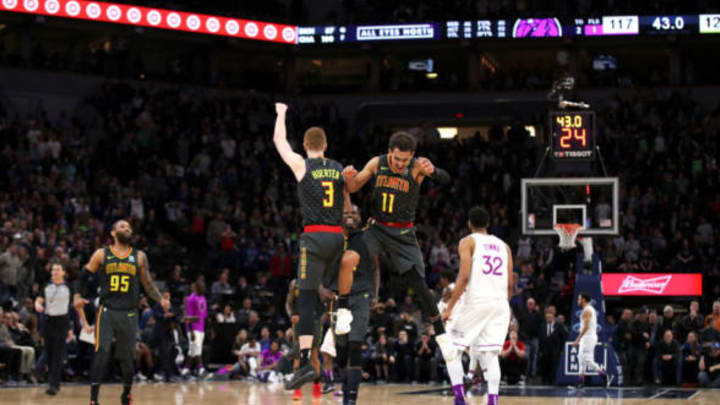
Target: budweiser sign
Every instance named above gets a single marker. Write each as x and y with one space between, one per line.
669 284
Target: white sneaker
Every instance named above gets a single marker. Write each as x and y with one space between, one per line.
184 372
140 376
343 320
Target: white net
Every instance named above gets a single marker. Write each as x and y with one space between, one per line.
568 234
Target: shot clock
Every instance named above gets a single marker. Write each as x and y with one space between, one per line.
572 135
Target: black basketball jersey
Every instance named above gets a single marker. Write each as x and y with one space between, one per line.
321 192
395 195
118 278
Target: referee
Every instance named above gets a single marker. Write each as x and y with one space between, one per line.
55 304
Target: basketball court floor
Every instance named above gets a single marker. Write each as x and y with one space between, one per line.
241 393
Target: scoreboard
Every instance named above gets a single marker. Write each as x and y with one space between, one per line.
572 135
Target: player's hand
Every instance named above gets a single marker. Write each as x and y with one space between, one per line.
295 319
281 108
326 294
165 303
88 329
575 343
373 304
80 302
445 315
426 166
39 308
349 172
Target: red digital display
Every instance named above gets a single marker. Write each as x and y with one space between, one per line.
651 284
572 135
156 18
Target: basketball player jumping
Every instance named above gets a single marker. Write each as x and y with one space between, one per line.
320 190
118 268
398 176
587 339
482 319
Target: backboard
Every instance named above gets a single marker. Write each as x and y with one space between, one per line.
590 201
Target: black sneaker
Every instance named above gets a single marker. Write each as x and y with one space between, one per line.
328 387
126 399
51 391
467 383
304 375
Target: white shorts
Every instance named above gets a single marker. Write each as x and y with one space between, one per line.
195 348
586 347
480 326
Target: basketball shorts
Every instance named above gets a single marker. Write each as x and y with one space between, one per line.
480 326
319 251
195 348
400 243
586 348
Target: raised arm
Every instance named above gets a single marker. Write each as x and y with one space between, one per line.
81 284
425 168
465 250
292 159
353 181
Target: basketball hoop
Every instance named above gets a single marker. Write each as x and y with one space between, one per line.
568 233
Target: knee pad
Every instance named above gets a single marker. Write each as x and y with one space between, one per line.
306 307
355 354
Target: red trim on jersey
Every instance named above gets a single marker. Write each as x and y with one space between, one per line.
401 225
323 228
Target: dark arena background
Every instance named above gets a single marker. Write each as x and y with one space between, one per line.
588 130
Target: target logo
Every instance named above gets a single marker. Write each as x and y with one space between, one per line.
31 5
134 15
212 24
93 10
251 29
114 13
174 20
232 27
154 17
52 6
10 4
193 22
270 31
72 8
288 34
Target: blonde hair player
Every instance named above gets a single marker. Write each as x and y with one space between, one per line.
482 320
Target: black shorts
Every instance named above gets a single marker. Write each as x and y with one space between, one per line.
318 253
118 324
400 243
359 305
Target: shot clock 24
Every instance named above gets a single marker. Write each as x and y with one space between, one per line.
572 135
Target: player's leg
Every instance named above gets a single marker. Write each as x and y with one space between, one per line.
490 364
310 272
586 357
488 344
103 341
360 307
125 333
345 280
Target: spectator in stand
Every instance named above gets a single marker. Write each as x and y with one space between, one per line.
250 352
530 325
9 355
624 339
425 361
226 316
264 338
402 358
709 375
407 324
669 360
691 351
269 360
692 322
640 346
382 359
667 322
221 288
716 315
709 334
513 359
552 339
241 366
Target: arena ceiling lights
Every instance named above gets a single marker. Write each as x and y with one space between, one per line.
156 18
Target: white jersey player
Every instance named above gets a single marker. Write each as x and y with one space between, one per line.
482 319
587 339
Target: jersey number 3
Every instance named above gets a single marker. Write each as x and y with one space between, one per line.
329 199
119 282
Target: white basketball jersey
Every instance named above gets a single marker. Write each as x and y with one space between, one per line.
488 275
592 322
